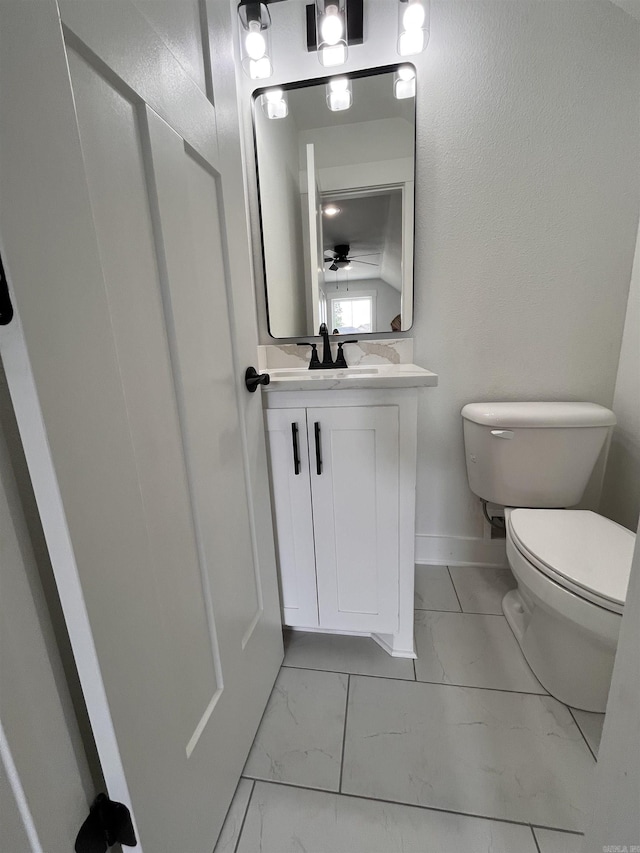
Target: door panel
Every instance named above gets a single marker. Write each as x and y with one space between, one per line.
121 367
355 510
292 504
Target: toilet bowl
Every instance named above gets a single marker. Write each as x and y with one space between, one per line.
572 568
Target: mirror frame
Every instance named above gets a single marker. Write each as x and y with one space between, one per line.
304 84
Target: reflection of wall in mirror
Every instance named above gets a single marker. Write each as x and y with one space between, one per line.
281 223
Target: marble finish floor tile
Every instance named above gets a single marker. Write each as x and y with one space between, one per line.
550 841
434 589
341 653
503 755
590 725
481 590
300 736
472 651
230 833
291 820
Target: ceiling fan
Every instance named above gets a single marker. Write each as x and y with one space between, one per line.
341 259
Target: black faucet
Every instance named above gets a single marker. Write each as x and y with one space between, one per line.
327 362
327 358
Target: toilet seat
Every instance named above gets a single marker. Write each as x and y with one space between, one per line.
579 550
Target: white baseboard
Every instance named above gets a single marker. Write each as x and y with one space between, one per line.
460 551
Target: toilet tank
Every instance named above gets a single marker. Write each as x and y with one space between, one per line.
533 454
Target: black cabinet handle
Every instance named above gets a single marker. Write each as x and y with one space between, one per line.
252 379
316 429
296 457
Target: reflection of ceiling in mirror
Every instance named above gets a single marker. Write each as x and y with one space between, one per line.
373 100
366 225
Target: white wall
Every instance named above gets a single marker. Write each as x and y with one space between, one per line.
362 142
281 222
621 491
526 217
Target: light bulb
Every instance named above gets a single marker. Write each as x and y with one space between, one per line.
339 84
414 16
275 104
260 69
331 26
406 72
411 42
339 101
331 56
331 210
255 43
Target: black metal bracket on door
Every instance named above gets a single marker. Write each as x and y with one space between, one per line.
6 308
316 429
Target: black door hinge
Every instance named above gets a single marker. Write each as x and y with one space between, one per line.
6 308
108 823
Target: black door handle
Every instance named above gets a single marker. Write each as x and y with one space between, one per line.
316 429
252 379
296 457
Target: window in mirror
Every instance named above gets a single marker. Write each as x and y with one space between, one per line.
336 192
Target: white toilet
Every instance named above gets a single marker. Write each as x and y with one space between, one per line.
572 566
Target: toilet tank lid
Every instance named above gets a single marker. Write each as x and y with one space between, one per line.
538 415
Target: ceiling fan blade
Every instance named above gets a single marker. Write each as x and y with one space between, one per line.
369 255
334 266
366 263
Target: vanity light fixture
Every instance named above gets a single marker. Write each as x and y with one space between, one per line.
331 210
333 25
404 83
413 26
255 41
274 103
339 94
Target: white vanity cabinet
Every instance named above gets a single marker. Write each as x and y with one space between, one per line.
343 485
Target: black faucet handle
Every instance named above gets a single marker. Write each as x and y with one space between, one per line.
314 363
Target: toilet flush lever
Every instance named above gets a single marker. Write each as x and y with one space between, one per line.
502 433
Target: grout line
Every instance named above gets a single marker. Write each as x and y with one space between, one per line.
344 732
458 612
555 829
417 681
244 816
584 737
535 840
454 589
346 672
415 806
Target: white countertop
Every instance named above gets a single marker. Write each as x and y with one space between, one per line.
360 376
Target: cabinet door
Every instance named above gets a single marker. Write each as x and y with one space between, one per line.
354 483
289 455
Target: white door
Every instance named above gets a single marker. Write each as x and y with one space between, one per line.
354 484
289 456
123 365
316 249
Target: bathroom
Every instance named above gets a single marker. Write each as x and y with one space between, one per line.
525 289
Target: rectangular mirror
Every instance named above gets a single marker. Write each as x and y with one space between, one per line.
336 164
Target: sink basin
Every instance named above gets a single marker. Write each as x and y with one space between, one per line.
350 378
